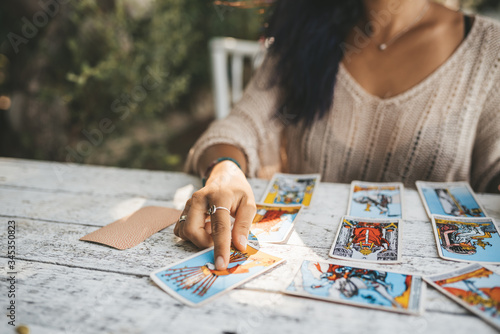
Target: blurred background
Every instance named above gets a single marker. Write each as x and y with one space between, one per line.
119 82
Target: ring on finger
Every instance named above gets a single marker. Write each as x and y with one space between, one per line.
214 209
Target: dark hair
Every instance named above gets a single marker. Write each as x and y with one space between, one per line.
307 37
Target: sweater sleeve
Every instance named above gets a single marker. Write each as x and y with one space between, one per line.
486 153
251 126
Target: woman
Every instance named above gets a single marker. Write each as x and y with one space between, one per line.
376 90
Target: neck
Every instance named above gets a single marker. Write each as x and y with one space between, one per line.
388 17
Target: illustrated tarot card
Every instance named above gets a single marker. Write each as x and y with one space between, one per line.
274 223
376 200
474 287
291 189
368 240
449 199
467 239
194 281
358 286
253 241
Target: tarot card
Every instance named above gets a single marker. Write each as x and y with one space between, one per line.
368 240
467 239
194 281
474 287
376 200
274 223
449 199
291 189
357 286
253 241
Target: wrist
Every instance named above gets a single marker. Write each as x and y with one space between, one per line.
226 164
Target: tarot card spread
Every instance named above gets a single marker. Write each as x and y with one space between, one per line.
359 286
274 223
450 199
376 200
474 287
467 239
367 240
195 281
291 189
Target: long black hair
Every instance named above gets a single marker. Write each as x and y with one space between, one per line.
307 43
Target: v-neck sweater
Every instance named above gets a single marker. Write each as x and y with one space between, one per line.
445 128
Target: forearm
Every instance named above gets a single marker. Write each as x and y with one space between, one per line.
217 151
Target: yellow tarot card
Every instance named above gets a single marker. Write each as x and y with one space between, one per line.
291 189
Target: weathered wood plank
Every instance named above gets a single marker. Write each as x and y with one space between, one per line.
97 210
90 180
58 244
45 241
74 286
316 226
154 185
73 300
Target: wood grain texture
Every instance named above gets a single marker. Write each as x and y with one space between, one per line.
91 180
58 243
70 286
60 299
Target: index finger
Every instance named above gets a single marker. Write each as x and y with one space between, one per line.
221 234
244 218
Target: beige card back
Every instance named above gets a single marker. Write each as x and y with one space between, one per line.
133 229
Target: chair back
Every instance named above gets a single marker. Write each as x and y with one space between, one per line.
221 49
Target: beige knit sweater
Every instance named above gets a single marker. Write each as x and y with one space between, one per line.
446 128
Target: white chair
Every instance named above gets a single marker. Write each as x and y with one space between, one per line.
220 49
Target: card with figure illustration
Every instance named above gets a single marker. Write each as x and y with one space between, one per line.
455 199
475 287
195 281
368 240
359 286
291 189
376 200
467 239
274 223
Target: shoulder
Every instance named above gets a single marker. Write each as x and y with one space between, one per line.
486 35
487 22
483 51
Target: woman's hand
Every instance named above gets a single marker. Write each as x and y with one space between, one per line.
226 187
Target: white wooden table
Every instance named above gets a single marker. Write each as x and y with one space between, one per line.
69 286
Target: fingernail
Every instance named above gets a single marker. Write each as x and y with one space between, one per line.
243 241
219 263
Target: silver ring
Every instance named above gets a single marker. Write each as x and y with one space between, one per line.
214 209
182 218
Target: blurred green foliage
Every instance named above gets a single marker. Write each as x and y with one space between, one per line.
112 51
101 59
110 55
